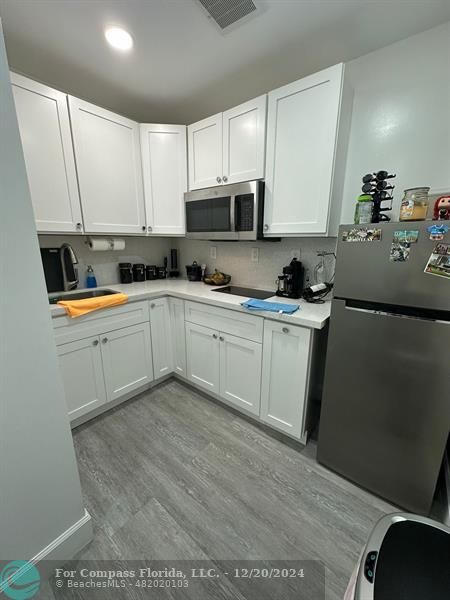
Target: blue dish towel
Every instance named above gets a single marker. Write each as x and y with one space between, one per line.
278 307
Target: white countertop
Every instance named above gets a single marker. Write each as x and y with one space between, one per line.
309 315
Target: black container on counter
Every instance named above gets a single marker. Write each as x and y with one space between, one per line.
125 273
162 272
139 272
194 272
151 272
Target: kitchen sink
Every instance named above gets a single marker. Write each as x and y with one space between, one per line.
82 295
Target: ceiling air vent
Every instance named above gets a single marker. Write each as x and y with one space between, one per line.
228 12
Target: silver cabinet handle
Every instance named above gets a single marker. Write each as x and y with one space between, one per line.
152 305
149 228
222 339
144 227
95 343
219 180
104 340
214 336
79 226
225 178
266 227
285 330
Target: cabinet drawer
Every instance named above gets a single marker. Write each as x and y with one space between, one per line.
234 322
68 330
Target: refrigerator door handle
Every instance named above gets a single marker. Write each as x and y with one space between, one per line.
373 311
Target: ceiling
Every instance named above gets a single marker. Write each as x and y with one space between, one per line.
182 67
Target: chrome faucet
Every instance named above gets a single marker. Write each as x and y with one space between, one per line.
70 272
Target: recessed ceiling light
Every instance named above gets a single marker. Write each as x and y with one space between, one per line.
119 38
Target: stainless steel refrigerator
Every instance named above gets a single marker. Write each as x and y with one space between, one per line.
386 404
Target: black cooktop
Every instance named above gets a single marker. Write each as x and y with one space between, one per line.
246 292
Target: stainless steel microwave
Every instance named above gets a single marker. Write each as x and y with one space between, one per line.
227 212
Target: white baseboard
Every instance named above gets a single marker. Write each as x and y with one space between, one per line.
65 546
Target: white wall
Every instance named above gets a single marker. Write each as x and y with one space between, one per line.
150 251
401 116
40 494
234 258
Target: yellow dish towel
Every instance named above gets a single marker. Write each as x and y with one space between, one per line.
78 308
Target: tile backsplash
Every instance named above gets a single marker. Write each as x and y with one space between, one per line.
231 257
234 258
150 251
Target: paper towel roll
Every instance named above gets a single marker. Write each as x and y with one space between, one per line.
118 244
99 244
103 244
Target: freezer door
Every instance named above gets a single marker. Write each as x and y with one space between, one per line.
386 407
364 270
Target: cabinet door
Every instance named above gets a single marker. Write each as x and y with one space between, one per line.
286 351
127 360
244 141
164 166
161 337
301 137
82 373
108 157
240 372
202 356
43 118
176 307
205 153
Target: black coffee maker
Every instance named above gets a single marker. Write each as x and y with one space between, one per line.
290 284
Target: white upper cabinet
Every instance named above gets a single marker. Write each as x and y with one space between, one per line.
302 186
44 126
165 177
228 147
108 158
205 152
244 141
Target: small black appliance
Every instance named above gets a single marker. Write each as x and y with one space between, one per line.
174 272
194 271
125 273
290 283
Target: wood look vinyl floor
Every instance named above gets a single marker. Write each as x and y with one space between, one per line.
173 475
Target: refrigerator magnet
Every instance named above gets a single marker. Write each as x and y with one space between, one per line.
437 232
439 261
403 235
362 234
399 251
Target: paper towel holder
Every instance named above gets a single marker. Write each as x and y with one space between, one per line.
105 244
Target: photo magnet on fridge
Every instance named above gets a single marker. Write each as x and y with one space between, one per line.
437 232
362 234
439 261
399 251
410 237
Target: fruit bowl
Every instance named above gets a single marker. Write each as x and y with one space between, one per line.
217 279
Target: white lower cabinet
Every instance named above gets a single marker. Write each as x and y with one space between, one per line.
176 308
225 364
82 372
240 372
105 367
161 337
127 360
202 356
286 353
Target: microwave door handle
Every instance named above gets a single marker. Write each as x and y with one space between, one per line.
232 213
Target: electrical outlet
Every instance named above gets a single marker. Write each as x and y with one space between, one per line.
254 257
296 253
213 252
